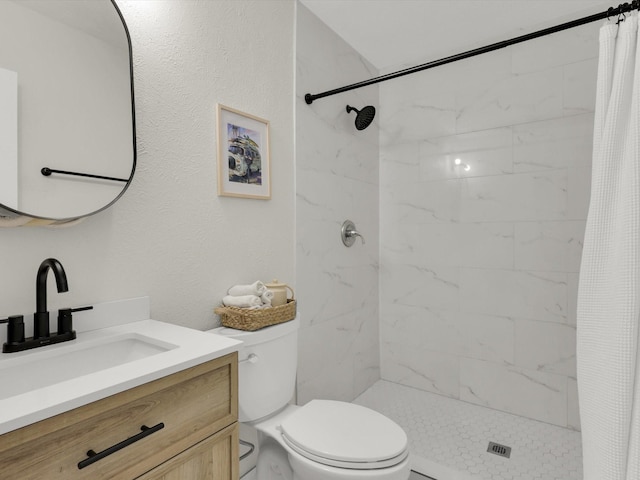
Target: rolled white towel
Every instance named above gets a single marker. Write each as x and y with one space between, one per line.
256 288
266 297
242 301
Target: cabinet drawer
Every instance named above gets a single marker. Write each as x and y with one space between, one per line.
192 404
215 458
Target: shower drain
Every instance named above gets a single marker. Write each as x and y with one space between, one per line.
501 450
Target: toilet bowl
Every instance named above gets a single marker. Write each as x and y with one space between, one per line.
326 439
322 440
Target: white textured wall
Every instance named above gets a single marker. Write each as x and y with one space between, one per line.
336 179
479 269
171 237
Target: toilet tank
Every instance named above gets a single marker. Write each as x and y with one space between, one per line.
267 363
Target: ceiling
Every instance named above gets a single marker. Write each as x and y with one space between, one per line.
394 34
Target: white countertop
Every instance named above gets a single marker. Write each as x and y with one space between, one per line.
187 348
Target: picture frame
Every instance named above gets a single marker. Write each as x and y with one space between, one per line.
244 161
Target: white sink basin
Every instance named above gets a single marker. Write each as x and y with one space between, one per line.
45 381
70 361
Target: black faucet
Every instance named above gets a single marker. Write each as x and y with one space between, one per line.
16 342
41 317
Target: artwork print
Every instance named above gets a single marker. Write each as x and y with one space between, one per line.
243 154
245 161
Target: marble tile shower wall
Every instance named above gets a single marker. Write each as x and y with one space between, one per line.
336 178
479 267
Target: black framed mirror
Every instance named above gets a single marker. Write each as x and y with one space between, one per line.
67 113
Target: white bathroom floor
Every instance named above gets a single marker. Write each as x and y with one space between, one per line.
448 438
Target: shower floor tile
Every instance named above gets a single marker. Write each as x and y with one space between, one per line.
448 438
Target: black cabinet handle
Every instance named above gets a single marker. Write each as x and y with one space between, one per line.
93 457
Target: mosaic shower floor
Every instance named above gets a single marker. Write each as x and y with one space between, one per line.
449 438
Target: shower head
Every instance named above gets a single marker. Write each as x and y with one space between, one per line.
364 117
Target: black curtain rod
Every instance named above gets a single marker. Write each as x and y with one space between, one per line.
611 12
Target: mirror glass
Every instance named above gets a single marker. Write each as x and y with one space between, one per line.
66 105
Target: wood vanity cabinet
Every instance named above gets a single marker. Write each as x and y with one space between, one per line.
190 432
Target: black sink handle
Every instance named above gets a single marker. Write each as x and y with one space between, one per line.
81 309
65 322
15 329
12 318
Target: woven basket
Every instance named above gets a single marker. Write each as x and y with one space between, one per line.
250 320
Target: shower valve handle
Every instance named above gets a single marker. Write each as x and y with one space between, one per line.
349 233
355 233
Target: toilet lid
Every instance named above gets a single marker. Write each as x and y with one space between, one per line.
345 435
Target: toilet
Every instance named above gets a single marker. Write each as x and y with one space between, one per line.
322 440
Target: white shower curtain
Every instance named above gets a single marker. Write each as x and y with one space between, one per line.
608 294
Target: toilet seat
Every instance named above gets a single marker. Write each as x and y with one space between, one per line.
344 435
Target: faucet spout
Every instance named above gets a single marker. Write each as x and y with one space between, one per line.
41 317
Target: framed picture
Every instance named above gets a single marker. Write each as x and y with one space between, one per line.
244 163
